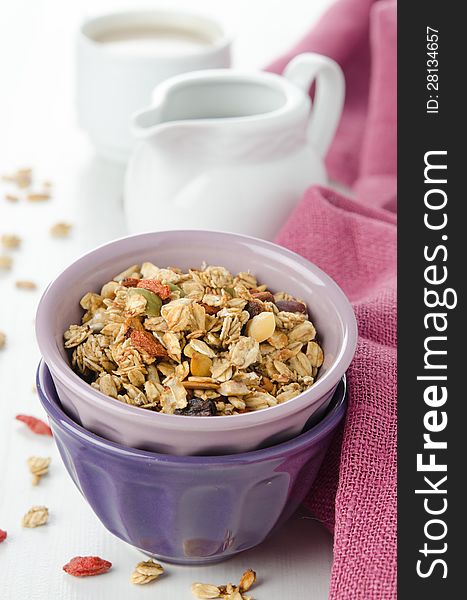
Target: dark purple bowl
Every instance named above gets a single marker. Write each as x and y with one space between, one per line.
189 509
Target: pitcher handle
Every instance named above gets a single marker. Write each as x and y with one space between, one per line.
303 70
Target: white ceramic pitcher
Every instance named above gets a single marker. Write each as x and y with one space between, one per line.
230 150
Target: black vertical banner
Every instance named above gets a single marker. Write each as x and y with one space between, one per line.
432 250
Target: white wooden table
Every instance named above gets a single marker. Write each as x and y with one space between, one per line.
37 128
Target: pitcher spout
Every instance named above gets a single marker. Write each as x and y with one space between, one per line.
157 118
146 122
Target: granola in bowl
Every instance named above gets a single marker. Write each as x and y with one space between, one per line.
198 343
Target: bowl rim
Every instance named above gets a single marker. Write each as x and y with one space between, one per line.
55 413
312 395
170 17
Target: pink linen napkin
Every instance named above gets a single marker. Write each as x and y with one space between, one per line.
355 242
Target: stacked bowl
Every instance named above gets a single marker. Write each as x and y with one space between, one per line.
182 488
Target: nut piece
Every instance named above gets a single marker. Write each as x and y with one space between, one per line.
293 306
263 296
261 327
10 240
60 230
11 197
205 590
2 340
247 580
39 466
25 284
5 261
200 385
146 571
35 517
200 365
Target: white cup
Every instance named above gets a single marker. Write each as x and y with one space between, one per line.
122 56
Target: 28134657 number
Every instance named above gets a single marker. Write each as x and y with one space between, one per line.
432 76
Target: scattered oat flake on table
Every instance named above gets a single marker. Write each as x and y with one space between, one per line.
38 196
35 425
5 261
22 177
205 590
60 230
227 592
247 580
3 535
11 198
87 566
146 571
25 284
35 517
2 340
232 592
10 240
38 466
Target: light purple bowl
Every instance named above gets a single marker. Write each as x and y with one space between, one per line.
279 268
189 509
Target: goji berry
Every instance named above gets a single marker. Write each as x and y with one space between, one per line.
86 566
156 287
144 341
3 535
130 282
35 425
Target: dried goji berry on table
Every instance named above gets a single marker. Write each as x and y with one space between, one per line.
156 287
35 424
86 566
3 535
